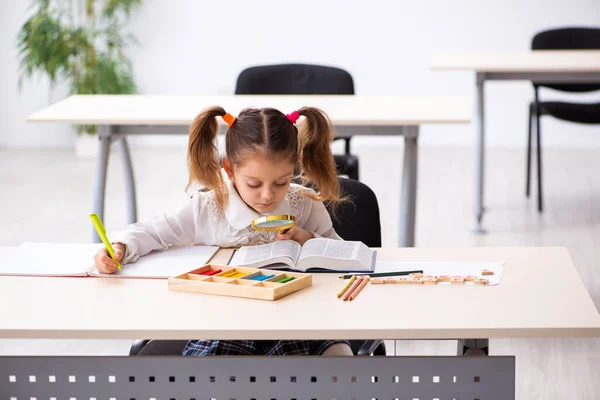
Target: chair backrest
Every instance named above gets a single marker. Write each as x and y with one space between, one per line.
568 39
296 79
359 219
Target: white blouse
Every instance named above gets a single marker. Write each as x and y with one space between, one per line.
200 222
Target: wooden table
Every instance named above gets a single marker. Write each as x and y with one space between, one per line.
540 66
541 296
122 115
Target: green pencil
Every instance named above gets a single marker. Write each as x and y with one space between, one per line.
378 274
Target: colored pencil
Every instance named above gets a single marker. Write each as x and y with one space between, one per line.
346 286
356 284
359 288
378 274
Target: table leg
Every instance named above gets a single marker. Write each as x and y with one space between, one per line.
129 181
479 153
408 199
473 347
100 183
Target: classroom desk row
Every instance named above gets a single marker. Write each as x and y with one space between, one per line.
524 305
120 116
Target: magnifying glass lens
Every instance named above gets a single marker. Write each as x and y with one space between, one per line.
277 223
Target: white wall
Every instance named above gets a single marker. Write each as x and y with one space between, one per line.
198 47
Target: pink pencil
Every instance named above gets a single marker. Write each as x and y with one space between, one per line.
353 288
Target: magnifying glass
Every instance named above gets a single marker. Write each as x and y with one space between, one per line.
274 223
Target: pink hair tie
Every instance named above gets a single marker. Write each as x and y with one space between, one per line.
293 117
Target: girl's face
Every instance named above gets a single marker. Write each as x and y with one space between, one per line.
261 182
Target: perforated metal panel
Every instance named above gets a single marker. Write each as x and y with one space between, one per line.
281 378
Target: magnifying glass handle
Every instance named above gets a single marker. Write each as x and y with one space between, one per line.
284 231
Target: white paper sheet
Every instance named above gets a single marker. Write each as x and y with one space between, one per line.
446 268
49 259
164 264
76 259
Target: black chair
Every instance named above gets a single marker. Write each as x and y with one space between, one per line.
358 220
583 113
302 79
355 220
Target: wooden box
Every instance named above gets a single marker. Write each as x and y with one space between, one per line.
240 283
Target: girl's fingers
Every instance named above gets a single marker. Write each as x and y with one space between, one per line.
106 268
286 236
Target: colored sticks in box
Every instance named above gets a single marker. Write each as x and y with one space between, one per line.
234 274
253 283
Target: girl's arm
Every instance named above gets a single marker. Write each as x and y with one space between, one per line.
157 233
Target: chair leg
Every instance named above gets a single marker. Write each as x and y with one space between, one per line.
347 145
539 160
528 176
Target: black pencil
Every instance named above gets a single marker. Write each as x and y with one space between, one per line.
378 274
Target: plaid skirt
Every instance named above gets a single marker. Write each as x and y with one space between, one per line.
258 347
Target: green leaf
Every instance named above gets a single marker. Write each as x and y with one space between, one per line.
91 57
114 7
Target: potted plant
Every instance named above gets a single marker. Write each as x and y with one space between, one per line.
80 42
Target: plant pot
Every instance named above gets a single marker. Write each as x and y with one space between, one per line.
86 145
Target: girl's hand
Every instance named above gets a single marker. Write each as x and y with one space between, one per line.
295 233
102 261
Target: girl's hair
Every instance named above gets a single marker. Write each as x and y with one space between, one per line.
271 133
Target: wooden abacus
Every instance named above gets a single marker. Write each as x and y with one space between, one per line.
250 283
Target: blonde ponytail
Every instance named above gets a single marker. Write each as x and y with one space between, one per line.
315 135
203 157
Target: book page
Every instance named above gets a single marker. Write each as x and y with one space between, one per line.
259 254
49 259
164 264
337 255
330 248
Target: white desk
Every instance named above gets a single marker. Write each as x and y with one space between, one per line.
558 66
541 296
119 116
554 304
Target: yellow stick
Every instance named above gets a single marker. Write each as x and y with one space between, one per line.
341 293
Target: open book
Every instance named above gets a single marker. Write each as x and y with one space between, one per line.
74 259
317 255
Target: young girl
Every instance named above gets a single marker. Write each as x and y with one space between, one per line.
263 149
